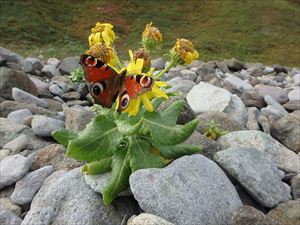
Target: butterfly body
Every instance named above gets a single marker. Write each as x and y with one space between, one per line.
106 84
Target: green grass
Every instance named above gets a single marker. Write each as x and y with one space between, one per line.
266 31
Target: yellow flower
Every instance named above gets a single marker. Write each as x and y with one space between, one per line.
184 52
151 37
103 53
134 105
102 32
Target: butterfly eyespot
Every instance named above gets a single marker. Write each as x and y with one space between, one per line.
97 88
125 101
90 61
145 81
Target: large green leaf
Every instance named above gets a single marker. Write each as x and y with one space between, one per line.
128 126
98 167
176 151
170 115
141 156
163 134
119 178
97 141
63 136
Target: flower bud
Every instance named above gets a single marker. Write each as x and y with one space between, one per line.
184 52
151 37
142 54
102 52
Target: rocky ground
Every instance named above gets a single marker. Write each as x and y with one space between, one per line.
248 176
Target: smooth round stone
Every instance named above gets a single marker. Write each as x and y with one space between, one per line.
188 75
147 219
18 144
7 204
25 97
294 95
19 116
41 86
279 94
44 126
56 90
53 61
9 218
68 65
158 63
50 71
180 85
237 83
296 79
31 65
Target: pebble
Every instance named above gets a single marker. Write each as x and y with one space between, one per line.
272 102
12 169
296 79
237 83
234 64
50 71
32 65
294 95
41 86
29 185
56 90
147 219
262 182
19 116
285 159
186 192
77 118
18 144
277 93
71 96
188 75
25 97
68 65
179 85
44 126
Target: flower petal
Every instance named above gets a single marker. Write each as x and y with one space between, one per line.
147 103
158 92
106 38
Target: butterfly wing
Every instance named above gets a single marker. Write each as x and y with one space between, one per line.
132 87
104 80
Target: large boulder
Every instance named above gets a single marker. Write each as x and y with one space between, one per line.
192 190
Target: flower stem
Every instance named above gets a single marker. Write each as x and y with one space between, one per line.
171 64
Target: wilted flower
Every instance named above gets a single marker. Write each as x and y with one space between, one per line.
103 53
102 32
184 52
151 37
142 54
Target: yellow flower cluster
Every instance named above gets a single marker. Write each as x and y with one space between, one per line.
103 52
151 37
185 50
102 32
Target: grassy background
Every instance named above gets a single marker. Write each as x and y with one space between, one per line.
265 31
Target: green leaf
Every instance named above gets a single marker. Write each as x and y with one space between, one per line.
162 134
63 136
97 141
141 156
98 167
127 126
170 115
119 178
176 151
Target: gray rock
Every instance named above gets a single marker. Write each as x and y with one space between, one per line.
49 71
25 97
270 101
277 93
10 56
158 63
252 99
13 66
188 75
98 183
10 131
296 79
225 122
191 190
68 65
9 218
41 86
264 122
53 105
287 130
234 64
252 123
205 70
44 126
6 204
53 61
223 67
12 169
12 78
287 213
4 153
279 68
294 95
180 85
147 219
19 116
262 181
78 103
296 186
32 65
77 118
71 96
77 203
18 144
56 90
285 159
237 110
269 70
29 185
194 63
237 84
292 105
7 107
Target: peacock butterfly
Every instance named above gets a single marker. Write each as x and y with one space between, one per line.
106 84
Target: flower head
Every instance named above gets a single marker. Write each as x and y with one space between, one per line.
184 52
151 37
136 67
142 54
102 32
102 52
